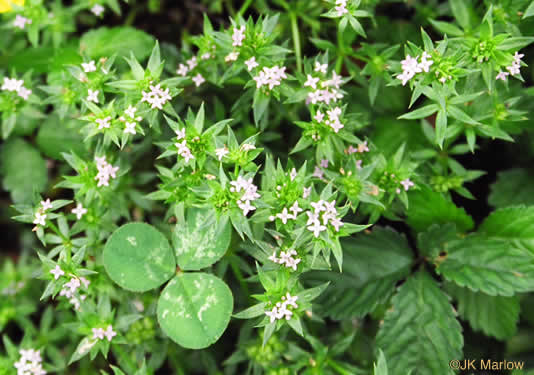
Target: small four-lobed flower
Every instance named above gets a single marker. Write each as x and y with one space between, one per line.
79 211
238 36
98 10
57 272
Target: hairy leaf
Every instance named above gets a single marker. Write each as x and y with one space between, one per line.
494 315
420 332
514 186
428 207
366 280
489 265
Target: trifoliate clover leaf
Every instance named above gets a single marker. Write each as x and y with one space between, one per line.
201 240
194 309
138 257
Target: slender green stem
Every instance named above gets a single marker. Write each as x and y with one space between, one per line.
340 51
296 39
244 7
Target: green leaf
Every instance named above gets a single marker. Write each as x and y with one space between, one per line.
259 105
428 207
422 112
24 170
460 12
154 61
194 309
138 257
460 115
513 224
201 240
420 332
104 42
515 43
57 136
486 264
380 367
529 12
494 315
514 186
447 28
366 280
41 59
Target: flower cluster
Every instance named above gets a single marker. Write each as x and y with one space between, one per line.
410 67
156 97
14 85
71 287
270 77
40 215
29 363
130 120
192 63
105 171
286 259
21 22
285 215
323 212
341 7
332 120
99 333
512 69
183 150
249 193
281 309
324 91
